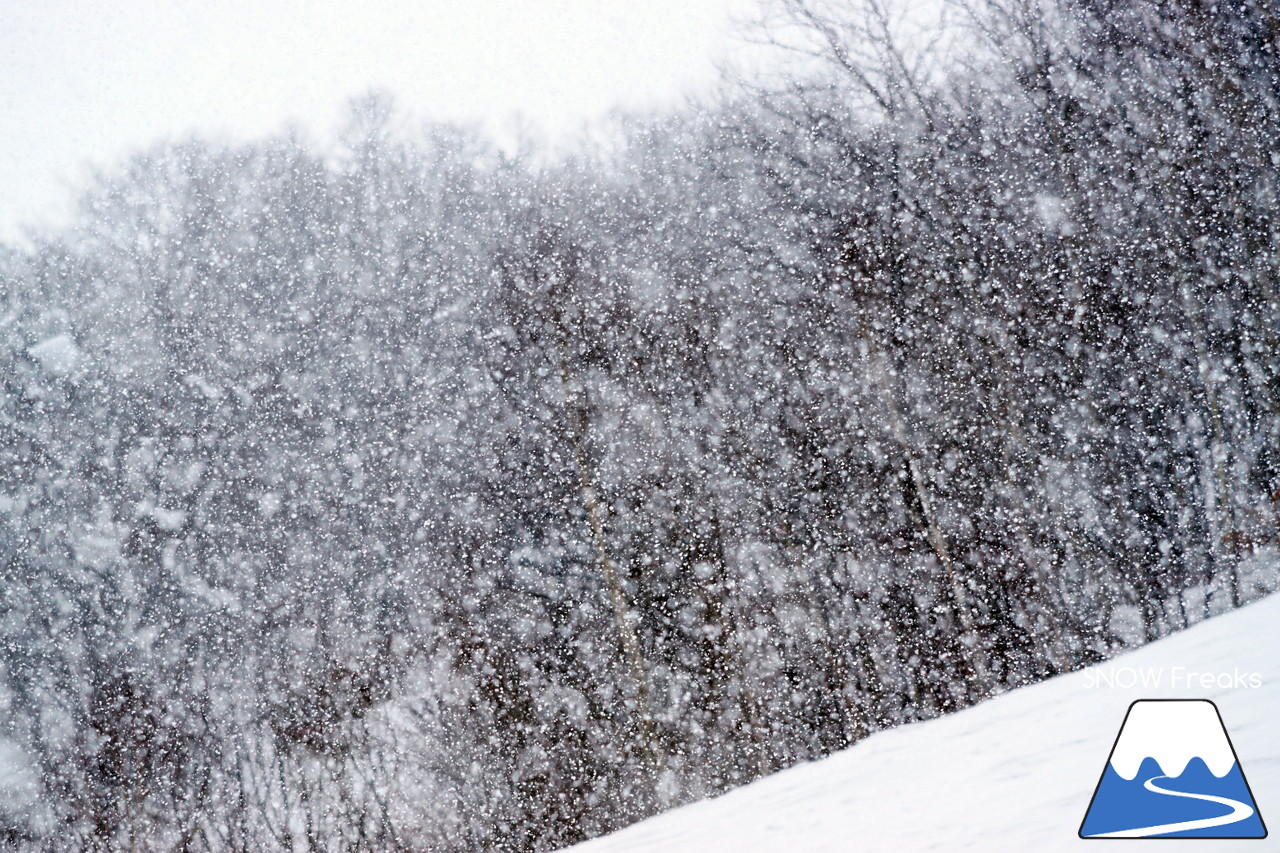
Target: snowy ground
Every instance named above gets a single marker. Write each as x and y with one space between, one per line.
1014 773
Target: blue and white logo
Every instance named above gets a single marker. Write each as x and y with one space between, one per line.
1173 773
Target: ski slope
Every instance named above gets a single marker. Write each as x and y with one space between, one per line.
1014 773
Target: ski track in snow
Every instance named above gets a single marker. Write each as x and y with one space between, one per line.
1239 812
1014 773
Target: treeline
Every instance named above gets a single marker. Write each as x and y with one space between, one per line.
415 496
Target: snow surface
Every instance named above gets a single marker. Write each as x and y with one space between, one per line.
1014 773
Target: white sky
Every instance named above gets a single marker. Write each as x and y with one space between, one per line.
86 81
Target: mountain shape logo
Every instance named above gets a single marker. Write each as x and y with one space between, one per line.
1173 773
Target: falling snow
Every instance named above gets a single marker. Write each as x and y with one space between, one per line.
414 493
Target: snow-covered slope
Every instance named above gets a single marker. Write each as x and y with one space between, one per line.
1015 773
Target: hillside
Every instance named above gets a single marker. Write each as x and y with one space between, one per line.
1014 773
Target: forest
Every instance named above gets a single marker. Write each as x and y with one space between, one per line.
415 493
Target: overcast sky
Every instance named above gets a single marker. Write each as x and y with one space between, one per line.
86 81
